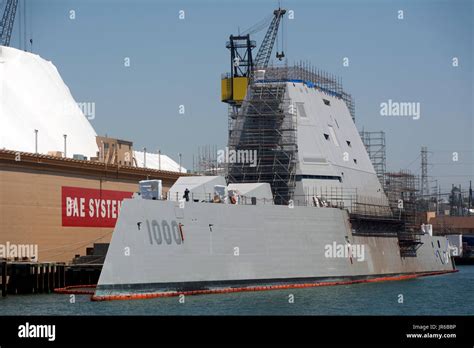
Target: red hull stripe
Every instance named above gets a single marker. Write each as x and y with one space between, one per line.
262 288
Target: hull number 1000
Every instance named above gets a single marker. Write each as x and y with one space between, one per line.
164 232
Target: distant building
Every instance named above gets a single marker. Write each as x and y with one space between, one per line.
114 151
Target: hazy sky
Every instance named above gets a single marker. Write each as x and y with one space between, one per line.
179 62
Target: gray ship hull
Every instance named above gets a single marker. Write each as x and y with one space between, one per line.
158 246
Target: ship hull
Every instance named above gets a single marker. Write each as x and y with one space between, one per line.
159 247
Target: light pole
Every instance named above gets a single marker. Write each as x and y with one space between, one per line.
65 140
144 157
36 141
180 161
159 159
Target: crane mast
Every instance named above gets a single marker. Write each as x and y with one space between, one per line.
8 19
234 84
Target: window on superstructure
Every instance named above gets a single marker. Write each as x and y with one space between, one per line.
300 109
326 102
355 161
348 143
326 136
333 135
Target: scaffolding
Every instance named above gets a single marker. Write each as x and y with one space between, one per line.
401 185
265 124
425 188
305 72
375 145
401 189
206 161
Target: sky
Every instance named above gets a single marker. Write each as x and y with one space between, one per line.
176 61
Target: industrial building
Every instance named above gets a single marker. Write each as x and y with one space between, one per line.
61 185
63 205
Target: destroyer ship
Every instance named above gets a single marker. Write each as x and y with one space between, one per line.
300 204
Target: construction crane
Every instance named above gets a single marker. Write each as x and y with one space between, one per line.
234 85
265 50
6 25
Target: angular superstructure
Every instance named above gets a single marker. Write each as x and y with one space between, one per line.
299 124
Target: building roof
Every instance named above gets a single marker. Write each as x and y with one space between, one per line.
60 165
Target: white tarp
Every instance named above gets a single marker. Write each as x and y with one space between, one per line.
34 96
200 187
261 191
155 161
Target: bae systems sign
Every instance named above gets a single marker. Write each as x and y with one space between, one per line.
85 207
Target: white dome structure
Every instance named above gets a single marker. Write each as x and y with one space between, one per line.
34 96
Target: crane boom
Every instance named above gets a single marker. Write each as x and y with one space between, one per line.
265 50
6 25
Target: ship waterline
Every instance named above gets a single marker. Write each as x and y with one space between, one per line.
159 246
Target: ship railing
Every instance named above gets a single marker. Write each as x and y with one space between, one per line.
346 199
301 73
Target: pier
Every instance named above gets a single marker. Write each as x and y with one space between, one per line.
19 277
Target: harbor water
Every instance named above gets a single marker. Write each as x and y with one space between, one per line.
449 294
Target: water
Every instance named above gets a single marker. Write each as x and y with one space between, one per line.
449 294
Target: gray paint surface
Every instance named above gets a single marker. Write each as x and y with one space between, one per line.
274 242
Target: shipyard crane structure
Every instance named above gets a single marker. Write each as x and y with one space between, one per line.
8 19
234 84
266 48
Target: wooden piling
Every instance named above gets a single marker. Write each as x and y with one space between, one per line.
53 277
12 280
46 279
63 276
35 278
56 276
40 279
20 278
4 279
